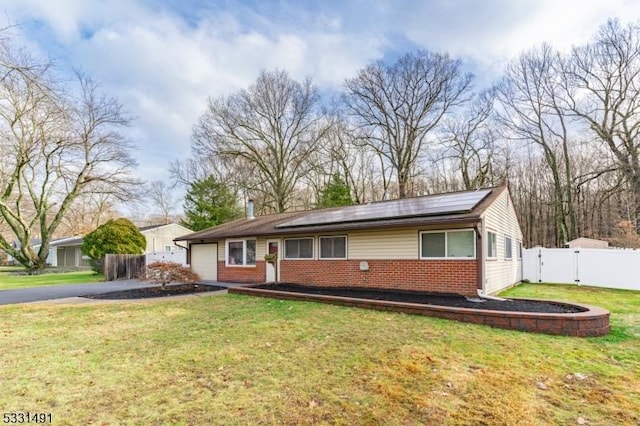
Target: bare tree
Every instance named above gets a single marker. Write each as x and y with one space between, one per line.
354 162
470 141
199 166
345 155
162 199
532 96
400 104
87 213
274 125
606 74
55 147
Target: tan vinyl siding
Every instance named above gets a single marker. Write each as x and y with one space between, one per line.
500 217
380 244
383 244
403 243
261 248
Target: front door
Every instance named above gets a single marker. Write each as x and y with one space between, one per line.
273 266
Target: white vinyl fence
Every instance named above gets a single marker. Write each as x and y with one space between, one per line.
611 268
179 256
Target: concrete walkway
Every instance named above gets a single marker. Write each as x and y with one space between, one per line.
36 294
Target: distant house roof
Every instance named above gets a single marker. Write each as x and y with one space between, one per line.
584 242
78 240
67 241
448 208
148 227
152 227
35 242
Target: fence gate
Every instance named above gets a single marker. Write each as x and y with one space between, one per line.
594 267
123 266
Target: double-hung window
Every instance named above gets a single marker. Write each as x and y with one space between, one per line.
492 245
508 248
458 244
241 252
298 248
333 247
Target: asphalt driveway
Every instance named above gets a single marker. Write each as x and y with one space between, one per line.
35 294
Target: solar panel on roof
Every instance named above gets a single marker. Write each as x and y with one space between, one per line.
430 205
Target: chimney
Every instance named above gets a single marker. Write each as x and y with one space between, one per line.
250 210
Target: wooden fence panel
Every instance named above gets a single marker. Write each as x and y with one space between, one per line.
123 266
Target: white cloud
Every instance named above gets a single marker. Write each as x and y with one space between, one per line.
492 32
164 70
163 63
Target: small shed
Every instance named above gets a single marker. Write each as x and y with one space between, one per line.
583 242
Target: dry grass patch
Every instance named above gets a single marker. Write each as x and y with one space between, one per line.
244 360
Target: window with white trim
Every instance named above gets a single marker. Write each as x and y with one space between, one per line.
519 249
333 247
298 248
241 252
457 244
492 244
508 248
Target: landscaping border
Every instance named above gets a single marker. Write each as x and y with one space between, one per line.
591 323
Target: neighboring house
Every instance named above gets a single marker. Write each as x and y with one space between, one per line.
10 260
160 237
583 242
66 252
461 242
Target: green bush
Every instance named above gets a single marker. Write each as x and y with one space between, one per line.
118 236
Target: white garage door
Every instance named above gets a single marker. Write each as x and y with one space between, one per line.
204 261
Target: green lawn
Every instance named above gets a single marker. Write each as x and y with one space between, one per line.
244 360
9 281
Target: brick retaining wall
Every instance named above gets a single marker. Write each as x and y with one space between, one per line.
591 323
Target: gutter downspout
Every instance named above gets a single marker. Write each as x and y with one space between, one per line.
480 256
178 245
188 257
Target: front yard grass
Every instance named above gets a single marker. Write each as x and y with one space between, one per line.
9 281
244 360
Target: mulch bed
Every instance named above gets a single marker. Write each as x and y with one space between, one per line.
149 292
512 305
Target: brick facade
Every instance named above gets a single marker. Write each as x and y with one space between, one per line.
242 274
442 276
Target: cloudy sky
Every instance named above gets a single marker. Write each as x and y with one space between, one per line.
163 58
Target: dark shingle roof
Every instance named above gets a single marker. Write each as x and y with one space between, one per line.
323 220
